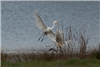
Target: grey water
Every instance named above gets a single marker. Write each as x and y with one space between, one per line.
18 28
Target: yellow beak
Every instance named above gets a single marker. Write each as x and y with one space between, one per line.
57 24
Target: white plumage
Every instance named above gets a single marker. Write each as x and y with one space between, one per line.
41 25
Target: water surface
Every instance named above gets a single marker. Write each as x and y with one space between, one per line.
18 28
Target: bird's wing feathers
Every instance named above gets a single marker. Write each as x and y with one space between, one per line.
39 22
58 36
51 35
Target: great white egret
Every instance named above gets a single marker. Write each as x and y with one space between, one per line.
41 25
58 40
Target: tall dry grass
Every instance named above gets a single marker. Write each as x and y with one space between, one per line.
3 56
78 48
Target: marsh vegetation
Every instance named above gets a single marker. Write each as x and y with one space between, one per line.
75 53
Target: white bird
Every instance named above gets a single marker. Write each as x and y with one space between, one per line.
41 25
58 40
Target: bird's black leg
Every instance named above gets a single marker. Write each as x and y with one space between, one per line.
52 49
43 38
40 37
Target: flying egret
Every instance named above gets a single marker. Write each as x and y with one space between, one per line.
41 25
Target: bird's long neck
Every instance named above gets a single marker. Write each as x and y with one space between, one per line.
53 26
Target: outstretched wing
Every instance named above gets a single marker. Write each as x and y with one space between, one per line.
59 37
51 35
39 22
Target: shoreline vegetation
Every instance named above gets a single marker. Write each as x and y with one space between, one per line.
73 54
